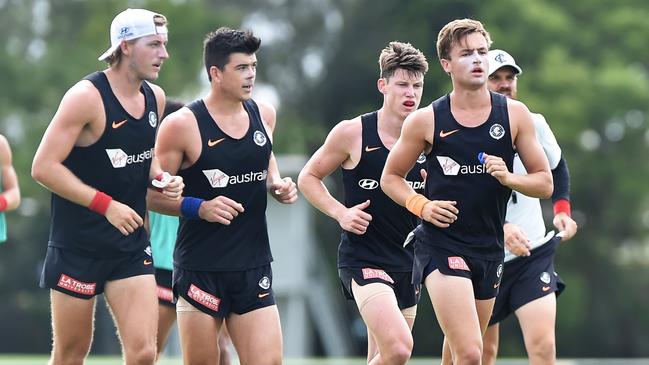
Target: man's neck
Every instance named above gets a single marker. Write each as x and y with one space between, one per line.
123 82
221 104
467 99
389 122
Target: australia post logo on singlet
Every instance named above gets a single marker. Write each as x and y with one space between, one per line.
219 179
451 168
118 158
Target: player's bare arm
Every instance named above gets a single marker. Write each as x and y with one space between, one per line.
78 121
342 147
10 189
284 189
416 136
171 186
538 181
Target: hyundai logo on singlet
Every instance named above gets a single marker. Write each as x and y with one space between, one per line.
219 179
119 158
368 184
451 168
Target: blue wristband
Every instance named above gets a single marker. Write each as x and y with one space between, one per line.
189 207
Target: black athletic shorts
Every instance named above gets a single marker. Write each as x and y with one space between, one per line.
219 293
84 277
527 279
163 283
484 274
406 293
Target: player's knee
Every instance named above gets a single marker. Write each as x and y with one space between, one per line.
398 352
543 348
489 352
143 355
468 355
73 353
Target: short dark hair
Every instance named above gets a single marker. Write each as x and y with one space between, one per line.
219 44
398 55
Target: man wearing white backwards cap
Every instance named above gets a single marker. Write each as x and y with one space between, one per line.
529 277
97 158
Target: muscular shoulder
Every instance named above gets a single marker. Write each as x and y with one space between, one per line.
268 114
420 122
160 97
518 110
81 104
179 121
346 132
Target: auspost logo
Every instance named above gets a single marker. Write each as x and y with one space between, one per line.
119 158
451 167
219 179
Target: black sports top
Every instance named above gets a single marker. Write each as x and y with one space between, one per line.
237 169
117 164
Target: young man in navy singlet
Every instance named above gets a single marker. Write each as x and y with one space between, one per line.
469 138
96 157
375 269
222 146
163 230
529 277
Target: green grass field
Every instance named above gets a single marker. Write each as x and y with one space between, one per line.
111 360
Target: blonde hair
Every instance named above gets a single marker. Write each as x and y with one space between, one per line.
454 32
398 55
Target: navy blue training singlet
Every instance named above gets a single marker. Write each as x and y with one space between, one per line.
117 164
237 169
455 173
382 244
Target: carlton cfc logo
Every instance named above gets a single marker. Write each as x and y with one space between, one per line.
259 138
496 131
153 119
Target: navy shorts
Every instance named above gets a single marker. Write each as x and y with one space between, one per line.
163 283
484 274
527 279
84 277
406 293
219 293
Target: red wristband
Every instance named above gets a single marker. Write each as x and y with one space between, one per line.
562 205
3 203
100 203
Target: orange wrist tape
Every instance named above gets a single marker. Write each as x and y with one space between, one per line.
415 204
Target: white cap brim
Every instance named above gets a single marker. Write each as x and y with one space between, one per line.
108 52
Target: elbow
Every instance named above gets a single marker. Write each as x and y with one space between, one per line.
385 183
37 172
549 187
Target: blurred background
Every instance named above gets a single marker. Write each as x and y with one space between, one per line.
585 68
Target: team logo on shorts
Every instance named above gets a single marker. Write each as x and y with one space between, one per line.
153 119
545 277
497 131
457 263
421 158
499 270
147 250
72 284
264 283
204 298
369 273
259 138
